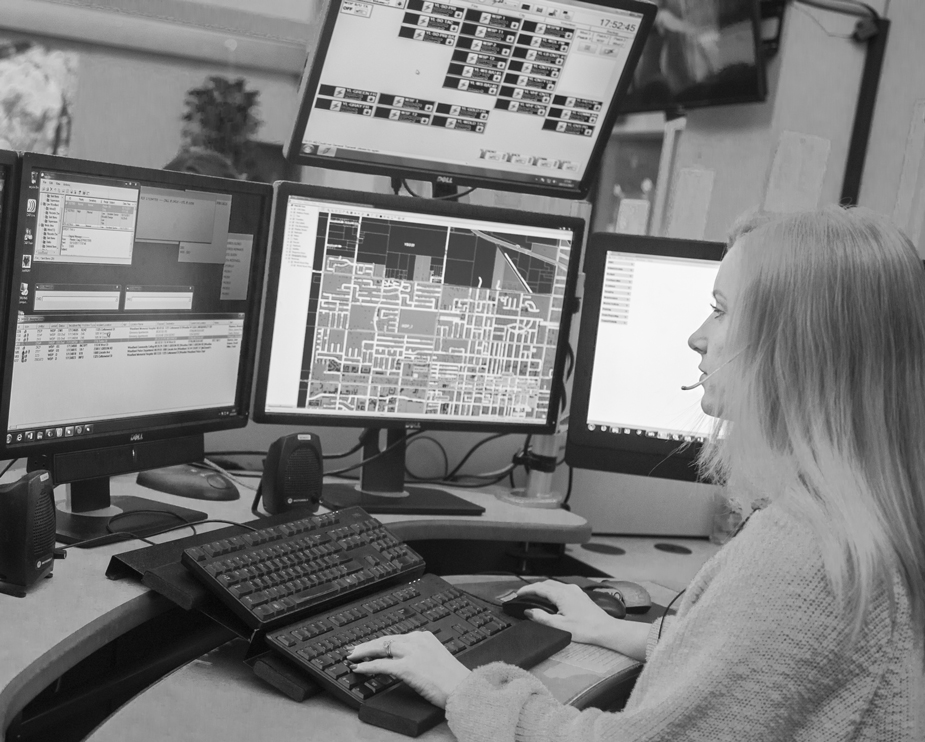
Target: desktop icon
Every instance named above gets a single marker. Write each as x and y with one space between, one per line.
30 206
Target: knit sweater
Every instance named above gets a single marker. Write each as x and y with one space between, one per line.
758 652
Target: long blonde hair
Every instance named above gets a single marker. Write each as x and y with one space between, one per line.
825 407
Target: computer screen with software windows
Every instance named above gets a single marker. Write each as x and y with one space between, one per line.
407 314
502 94
131 318
643 298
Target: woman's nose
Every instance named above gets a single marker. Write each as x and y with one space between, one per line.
698 341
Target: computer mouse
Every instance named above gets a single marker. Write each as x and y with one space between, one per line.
194 482
635 597
608 600
519 603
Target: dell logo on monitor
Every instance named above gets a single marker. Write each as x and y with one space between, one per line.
137 437
444 179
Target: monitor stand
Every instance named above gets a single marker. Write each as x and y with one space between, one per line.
382 484
87 511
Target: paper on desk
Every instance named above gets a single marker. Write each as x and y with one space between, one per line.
574 671
590 658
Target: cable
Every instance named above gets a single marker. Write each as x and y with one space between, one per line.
399 442
568 492
8 467
446 460
212 454
435 198
847 7
665 615
343 455
819 23
133 537
472 450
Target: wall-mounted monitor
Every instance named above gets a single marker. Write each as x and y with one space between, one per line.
699 54
643 298
410 314
509 95
130 320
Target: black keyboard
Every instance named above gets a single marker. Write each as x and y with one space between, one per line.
474 631
280 574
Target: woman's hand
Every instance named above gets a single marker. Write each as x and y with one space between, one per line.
585 620
578 614
417 658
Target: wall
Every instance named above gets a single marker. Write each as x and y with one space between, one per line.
902 86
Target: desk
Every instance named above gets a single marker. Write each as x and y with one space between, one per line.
218 697
65 619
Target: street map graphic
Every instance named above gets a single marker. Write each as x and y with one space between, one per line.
422 320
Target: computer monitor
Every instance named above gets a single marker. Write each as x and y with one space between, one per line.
643 298
700 54
511 94
408 314
132 301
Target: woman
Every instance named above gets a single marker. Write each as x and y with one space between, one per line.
809 624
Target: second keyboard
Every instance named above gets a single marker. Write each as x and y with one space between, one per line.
279 574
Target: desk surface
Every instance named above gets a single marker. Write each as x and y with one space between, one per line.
218 697
65 619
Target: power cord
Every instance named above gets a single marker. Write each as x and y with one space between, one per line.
449 197
134 537
400 442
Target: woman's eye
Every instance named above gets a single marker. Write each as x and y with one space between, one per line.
716 310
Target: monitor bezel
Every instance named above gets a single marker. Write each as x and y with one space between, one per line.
618 452
311 78
284 189
760 94
154 427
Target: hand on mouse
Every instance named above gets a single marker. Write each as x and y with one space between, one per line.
578 614
418 658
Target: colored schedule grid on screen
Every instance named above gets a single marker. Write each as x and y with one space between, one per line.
484 70
429 320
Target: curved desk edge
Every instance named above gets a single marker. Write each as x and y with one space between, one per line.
472 530
77 646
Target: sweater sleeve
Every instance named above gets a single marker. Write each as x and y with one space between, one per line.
752 654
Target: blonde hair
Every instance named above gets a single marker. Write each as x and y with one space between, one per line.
825 408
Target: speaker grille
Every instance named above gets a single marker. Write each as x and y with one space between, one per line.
43 526
302 466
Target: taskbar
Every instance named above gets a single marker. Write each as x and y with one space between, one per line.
334 154
679 436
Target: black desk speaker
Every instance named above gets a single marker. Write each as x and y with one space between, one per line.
292 474
27 531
